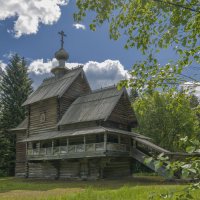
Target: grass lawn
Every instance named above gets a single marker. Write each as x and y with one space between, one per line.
137 188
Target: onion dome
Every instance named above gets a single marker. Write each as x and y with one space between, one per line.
61 54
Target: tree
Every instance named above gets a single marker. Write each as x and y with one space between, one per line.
186 167
194 101
15 88
150 26
133 95
165 117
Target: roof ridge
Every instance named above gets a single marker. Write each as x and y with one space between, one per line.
74 103
78 66
104 88
56 79
99 90
70 70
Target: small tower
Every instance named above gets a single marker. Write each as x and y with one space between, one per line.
62 56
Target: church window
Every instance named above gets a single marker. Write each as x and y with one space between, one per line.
42 117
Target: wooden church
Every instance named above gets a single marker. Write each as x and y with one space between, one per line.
73 132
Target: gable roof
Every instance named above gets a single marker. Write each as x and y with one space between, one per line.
96 106
53 87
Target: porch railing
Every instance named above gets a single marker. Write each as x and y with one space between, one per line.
93 147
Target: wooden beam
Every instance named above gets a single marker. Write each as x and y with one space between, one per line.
52 146
84 141
39 148
67 145
119 139
26 148
105 141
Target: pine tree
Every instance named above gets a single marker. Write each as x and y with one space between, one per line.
15 88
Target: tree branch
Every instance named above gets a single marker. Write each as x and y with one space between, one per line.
178 5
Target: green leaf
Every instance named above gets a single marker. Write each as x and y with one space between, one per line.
148 160
190 149
158 164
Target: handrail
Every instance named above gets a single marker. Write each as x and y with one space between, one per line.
151 145
78 148
157 149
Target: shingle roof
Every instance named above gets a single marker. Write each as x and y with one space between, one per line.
53 86
83 131
96 106
22 126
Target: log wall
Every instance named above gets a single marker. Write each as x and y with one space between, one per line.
123 113
42 170
117 167
92 168
79 87
112 124
79 125
69 169
20 165
49 109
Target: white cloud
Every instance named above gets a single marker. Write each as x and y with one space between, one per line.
9 55
2 68
40 66
29 14
99 74
79 26
2 65
192 88
106 73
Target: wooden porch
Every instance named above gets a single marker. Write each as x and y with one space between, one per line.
109 144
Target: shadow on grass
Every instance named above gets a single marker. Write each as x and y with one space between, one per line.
11 183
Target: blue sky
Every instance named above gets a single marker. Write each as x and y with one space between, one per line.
82 45
38 43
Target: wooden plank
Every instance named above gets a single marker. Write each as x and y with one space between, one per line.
78 88
117 167
49 109
69 169
42 170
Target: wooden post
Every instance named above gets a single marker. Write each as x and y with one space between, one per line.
134 143
30 144
39 148
84 142
52 146
119 139
67 145
105 141
26 148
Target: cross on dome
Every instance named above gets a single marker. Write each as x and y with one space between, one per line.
62 34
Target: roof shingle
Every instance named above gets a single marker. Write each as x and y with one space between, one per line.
95 106
53 87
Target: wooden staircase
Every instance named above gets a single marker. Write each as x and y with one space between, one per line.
140 156
144 149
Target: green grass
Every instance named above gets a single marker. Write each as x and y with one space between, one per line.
137 188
